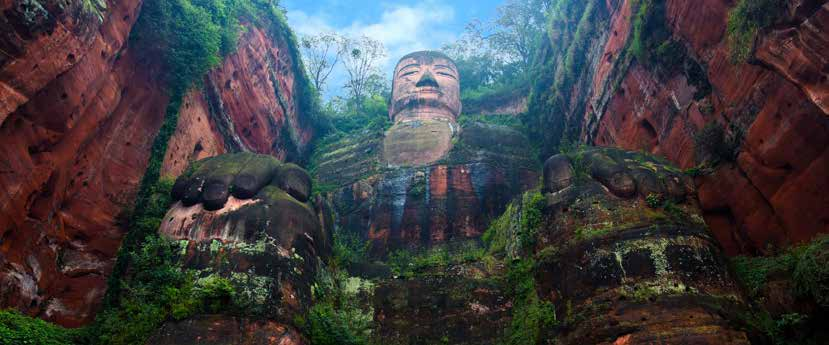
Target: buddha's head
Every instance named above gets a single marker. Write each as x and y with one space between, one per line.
425 86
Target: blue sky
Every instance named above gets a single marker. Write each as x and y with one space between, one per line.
402 26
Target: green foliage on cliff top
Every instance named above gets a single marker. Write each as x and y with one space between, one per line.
746 20
19 329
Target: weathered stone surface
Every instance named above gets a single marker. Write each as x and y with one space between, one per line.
42 39
453 198
425 104
417 142
800 53
777 100
269 246
78 113
622 272
463 303
220 330
72 152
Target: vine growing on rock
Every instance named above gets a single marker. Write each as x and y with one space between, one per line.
746 20
560 64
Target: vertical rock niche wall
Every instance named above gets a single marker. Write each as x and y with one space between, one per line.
770 196
78 113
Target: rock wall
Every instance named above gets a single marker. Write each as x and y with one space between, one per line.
414 207
769 196
78 113
622 267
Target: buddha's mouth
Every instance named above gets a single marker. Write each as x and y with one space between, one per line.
428 89
416 100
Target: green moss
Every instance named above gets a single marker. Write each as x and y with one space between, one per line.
516 229
559 65
746 20
409 263
16 328
575 153
531 317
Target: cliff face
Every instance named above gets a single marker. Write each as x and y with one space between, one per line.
776 103
79 111
453 198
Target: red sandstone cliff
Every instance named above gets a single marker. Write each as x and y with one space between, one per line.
774 194
78 113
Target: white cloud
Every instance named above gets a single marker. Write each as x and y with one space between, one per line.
402 29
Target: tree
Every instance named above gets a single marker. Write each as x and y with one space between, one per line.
518 27
500 51
321 54
360 63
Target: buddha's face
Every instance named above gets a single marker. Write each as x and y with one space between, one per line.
425 86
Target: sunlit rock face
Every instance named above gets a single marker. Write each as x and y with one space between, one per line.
424 107
626 257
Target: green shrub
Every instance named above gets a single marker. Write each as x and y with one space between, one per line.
327 327
713 145
650 34
805 265
746 20
336 316
653 200
348 249
19 329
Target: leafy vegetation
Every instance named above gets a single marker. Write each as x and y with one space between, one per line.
349 116
805 268
336 317
407 263
348 249
558 67
512 234
517 227
802 263
158 289
746 20
652 44
575 153
19 329
713 145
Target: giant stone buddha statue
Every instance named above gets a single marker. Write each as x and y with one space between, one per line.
425 104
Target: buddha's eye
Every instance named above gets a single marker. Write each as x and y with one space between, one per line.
447 75
406 74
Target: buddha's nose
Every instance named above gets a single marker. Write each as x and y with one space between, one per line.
427 80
